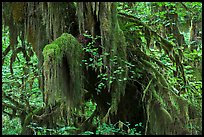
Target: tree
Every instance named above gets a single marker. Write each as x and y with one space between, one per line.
124 82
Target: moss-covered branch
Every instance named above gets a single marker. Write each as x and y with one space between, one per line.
165 44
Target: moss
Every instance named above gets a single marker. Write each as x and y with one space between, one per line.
52 50
18 11
62 70
31 38
112 40
166 112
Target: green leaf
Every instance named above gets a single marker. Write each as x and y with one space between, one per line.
110 82
91 59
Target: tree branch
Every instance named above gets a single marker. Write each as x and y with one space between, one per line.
185 7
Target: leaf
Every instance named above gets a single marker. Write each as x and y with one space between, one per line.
120 124
106 53
110 81
91 59
167 24
129 25
128 131
88 133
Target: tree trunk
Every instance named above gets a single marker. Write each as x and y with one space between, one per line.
145 96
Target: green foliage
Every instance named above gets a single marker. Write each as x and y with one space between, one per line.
110 129
90 106
95 62
102 129
10 127
21 87
18 86
67 130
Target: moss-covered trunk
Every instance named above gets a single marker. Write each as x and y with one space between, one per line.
100 19
38 23
134 89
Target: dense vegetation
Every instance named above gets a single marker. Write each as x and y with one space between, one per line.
163 48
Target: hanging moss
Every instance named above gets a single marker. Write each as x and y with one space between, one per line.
18 11
62 70
167 113
112 40
44 22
